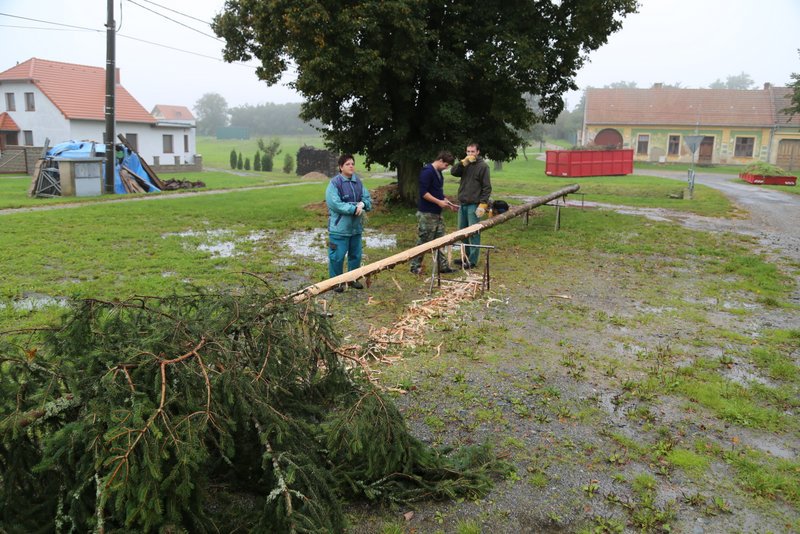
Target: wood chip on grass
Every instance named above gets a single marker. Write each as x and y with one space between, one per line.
386 344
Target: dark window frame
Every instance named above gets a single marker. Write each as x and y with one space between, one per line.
642 144
168 143
744 147
186 143
674 145
30 102
27 137
133 140
11 102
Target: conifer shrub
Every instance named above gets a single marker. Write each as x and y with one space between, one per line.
257 161
288 164
153 414
234 158
240 162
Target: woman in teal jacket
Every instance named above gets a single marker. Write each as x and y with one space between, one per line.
347 200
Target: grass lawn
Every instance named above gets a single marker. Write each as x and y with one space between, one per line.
606 363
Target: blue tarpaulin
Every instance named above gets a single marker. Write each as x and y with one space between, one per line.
88 149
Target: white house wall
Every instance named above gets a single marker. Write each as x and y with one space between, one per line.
46 121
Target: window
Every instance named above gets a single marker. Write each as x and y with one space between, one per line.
643 144
674 148
186 143
744 147
28 137
30 104
133 140
11 105
168 144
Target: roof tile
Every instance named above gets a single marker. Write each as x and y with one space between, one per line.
7 124
78 91
675 106
174 113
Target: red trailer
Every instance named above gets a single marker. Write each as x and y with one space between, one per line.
768 180
589 162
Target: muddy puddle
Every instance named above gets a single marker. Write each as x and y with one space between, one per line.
313 244
218 243
35 301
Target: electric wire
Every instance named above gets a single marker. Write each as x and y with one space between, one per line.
175 21
83 28
178 12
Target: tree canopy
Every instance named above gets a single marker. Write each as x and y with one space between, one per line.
212 113
734 81
270 119
794 108
399 80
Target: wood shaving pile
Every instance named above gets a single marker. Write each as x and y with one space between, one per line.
385 344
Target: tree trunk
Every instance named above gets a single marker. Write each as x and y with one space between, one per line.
498 165
408 181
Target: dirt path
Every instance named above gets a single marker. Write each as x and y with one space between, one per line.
774 216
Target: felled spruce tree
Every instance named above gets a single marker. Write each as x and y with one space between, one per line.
158 413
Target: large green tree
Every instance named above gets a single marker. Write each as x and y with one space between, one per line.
212 113
399 80
794 108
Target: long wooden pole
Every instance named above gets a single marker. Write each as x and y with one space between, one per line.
406 255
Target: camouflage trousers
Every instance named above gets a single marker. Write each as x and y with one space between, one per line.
430 226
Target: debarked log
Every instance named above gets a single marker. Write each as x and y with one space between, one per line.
406 255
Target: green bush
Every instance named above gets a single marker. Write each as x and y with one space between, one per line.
234 159
288 164
257 161
764 169
266 163
247 164
239 162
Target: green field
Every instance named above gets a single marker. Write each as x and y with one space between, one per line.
605 363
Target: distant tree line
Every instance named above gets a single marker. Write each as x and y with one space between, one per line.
213 112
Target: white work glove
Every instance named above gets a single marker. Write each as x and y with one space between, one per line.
359 209
360 205
480 211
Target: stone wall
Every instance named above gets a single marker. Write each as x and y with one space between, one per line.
163 168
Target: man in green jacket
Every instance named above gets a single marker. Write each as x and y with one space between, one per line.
473 195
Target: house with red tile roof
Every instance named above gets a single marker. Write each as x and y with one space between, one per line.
64 101
738 126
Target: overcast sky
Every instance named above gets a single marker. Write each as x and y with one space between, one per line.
691 42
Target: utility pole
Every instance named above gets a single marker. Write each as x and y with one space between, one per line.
111 75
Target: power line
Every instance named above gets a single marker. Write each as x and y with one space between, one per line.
185 51
175 21
178 12
46 29
49 22
83 28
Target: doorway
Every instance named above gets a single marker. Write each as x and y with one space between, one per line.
706 153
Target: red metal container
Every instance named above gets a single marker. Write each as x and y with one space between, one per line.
589 162
768 180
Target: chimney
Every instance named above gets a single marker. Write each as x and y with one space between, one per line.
116 75
658 85
767 86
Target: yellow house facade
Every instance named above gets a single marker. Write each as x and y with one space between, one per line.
728 127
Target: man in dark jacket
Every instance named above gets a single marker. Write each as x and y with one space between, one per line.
473 195
429 208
